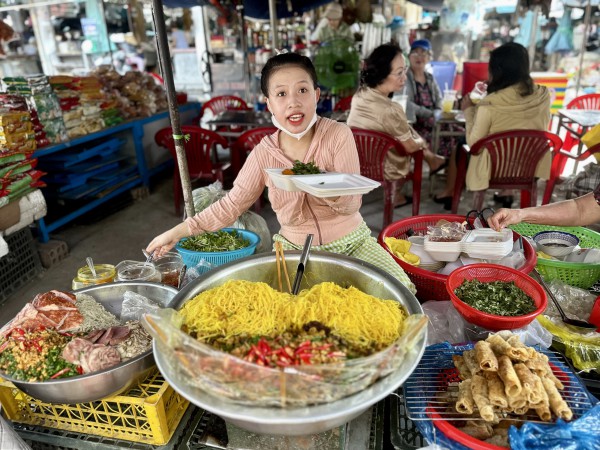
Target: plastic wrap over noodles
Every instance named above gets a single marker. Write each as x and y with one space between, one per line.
198 365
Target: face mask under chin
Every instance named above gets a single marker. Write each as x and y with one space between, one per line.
294 135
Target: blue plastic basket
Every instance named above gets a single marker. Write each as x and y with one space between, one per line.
192 258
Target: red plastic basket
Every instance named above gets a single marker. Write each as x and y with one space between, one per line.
493 272
431 285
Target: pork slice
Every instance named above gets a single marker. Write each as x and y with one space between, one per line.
73 350
99 357
27 313
72 321
94 335
119 335
68 296
50 301
106 337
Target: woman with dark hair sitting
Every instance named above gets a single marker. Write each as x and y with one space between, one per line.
514 102
372 108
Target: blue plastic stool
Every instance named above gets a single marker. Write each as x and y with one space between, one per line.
443 73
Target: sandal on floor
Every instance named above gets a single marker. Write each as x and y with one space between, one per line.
439 169
408 201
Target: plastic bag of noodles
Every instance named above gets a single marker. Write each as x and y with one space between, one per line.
283 358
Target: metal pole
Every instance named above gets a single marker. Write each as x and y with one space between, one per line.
587 19
164 60
274 29
244 43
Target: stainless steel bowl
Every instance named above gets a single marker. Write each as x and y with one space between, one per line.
97 385
311 419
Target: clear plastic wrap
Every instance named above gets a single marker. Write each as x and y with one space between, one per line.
206 196
135 306
198 365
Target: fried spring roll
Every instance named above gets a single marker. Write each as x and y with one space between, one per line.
539 395
486 359
519 351
496 390
528 382
506 372
557 404
463 370
544 413
521 411
479 430
481 397
465 402
499 345
517 402
539 363
471 362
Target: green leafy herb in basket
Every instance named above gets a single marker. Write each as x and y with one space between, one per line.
502 298
218 241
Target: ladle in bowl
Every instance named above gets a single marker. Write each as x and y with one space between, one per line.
574 322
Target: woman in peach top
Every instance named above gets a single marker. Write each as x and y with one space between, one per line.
289 82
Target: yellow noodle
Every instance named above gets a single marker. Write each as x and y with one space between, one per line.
239 307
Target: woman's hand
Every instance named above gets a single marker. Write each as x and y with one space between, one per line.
466 102
504 217
162 243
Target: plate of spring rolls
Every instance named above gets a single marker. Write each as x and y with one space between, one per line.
493 384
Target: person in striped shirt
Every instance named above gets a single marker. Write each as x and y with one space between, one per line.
289 83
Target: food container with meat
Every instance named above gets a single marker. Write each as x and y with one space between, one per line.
295 380
72 348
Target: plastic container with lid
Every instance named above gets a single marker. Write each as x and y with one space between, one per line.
105 273
169 265
137 271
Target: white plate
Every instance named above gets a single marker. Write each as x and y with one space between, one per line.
334 184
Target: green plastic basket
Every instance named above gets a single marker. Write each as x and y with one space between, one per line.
582 275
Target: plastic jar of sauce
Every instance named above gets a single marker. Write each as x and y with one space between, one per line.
169 265
105 273
137 271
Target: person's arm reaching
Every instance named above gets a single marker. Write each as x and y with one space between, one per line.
578 212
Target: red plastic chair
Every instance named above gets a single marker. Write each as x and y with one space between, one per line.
343 104
199 151
514 156
244 145
222 103
559 162
588 101
372 149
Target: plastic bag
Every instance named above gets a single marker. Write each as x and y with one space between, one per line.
577 303
135 305
580 434
207 195
196 365
445 231
446 324
192 273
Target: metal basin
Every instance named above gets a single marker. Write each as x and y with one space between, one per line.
97 385
310 419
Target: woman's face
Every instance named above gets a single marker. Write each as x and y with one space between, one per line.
292 98
396 79
418 59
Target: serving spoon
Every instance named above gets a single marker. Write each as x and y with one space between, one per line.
574 322
90 263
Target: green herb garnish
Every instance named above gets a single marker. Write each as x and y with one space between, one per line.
502 298
218 241
300 168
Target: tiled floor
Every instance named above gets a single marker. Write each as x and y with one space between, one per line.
122 235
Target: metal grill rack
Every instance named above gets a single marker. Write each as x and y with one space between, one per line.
430 392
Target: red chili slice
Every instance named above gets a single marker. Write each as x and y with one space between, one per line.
60 372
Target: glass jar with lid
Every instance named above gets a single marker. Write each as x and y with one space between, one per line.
137 271
105 273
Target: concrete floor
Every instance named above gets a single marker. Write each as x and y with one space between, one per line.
123 234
